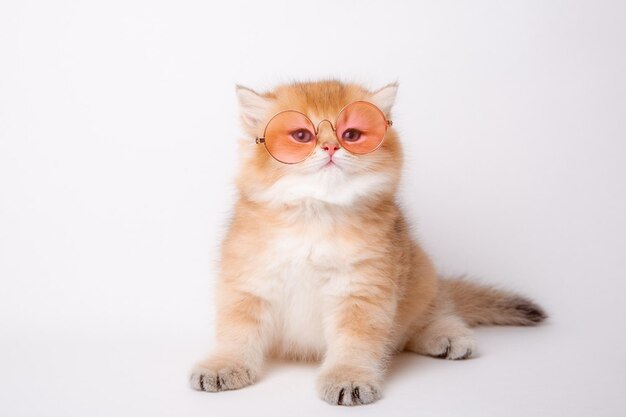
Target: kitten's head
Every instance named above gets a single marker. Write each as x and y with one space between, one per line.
348 180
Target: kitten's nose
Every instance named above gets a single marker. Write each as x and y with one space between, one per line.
330 147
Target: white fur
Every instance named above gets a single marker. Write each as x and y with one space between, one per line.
292 279
329 187
295 278
342 184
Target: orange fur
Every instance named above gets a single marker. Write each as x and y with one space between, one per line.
319 264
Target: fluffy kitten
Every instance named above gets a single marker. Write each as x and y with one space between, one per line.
318 262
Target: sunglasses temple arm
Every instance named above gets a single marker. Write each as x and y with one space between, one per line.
259 140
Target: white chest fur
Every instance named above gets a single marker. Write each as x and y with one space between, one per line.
299 264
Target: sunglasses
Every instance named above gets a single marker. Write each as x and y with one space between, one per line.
291 137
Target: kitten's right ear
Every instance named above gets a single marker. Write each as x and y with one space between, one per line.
253 107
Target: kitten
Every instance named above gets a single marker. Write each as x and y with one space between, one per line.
318 263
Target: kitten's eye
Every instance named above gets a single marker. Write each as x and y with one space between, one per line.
351 135
302 136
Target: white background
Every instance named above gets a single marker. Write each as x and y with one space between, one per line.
118 128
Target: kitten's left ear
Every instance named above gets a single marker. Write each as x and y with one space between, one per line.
385 97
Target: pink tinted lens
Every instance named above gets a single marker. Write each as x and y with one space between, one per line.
290 137
361 127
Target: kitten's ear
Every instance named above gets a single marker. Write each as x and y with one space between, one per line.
253 107
385 97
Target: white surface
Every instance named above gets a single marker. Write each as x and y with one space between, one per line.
117 152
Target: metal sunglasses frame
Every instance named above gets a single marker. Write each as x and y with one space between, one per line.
388 123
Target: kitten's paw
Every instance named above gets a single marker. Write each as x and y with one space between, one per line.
219 374
447 338
455 347
347 386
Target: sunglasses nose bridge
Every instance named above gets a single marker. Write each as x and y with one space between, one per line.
322 121
327 139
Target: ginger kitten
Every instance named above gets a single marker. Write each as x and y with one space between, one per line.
318 263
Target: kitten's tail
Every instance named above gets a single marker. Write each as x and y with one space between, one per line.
484 305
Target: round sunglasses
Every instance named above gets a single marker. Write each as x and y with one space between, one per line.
290 136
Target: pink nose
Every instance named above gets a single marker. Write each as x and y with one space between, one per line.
331 148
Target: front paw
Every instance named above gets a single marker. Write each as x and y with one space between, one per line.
220 374
348 386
